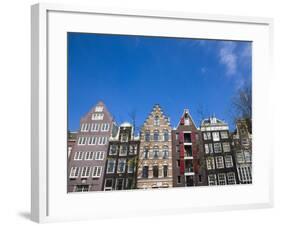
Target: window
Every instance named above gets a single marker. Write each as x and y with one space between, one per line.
95 127
186 121
110 166
219 162
145 172
74 172
155 152
108 184
97 171
240 157
155 171
207 136
99 109
82 140
131 166
177 136
147 136
123 150
208 148
156 135
247 156
212 179
165 152
85 127
224 135
217 148
221 179
216 136
124 137
121 166
178 163
99 155
129 183
85 171
145 153
113 149
210 162
228 161
119 184
177 148
78 155
231 178
89 155
226 146
179 179
92 140
102 140
166 135
165 170
133 149
97 116
82 188
245 174
156 120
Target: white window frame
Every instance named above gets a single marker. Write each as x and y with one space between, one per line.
231 178
228 161
108 188
210 163
89 155
99 109
224 145
224 134
213 181
219 162
82 140
74 172
114 165
99 155
220 180
78 155
216 136
217 144
97 171
86 173
125 163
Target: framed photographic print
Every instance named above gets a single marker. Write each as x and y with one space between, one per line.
144 112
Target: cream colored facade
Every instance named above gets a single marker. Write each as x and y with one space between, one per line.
155 156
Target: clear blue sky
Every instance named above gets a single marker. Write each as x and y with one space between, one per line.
132 73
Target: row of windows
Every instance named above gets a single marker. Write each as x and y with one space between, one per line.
121 166
155 153
217 136
118 184
85 172
123 149
89 155
222 179
217 147
97 116
219 162
92 140
156 136
94 127
245 174
155 171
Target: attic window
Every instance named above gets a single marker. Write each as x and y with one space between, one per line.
186 121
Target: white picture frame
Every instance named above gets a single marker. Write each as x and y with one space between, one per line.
49 24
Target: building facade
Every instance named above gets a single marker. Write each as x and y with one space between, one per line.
219 156
155 157
122 158
187 154
242 145
88 155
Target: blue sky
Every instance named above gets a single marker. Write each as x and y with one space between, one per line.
132 73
